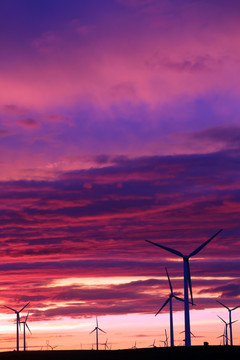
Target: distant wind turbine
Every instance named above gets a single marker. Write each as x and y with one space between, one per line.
153 344
223 336
96 329
25 325
135 345
169 300
52 347
181 332
230 319
166 339
106 345
226 328
187 281
18 320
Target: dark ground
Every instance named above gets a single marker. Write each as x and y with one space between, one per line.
176 353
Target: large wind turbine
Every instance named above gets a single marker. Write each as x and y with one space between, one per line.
187 281
18 320
230 319
96 329
25 325
169 300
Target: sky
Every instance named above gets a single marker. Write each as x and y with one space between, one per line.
119 122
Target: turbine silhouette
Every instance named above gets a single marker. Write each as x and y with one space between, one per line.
230 319
18 321
106 345
25 325
226 328
169 300
153 344
96 329
187 281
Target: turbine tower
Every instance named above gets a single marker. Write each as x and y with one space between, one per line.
25 325
169 300
230 319
187 281
96 329
18 320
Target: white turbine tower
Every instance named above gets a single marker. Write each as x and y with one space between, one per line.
169 300
25 325
18 320
230 319
187 281
96 329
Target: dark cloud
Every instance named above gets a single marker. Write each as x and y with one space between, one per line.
227 291
62 228
229 135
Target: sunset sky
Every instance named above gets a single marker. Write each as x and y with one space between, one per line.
119 122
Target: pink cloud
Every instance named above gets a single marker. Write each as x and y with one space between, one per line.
29 123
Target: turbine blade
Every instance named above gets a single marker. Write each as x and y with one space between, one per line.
222 304
8 307
166 248
26 317
28 328
189 281
204 244
234 321
163 306
102 330
24 307
93 331
169 281
222 320
235 307
178 298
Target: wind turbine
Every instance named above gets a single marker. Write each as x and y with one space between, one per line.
153 344
169 300
106 345
52 347
223 336
230 319
18 320
25 325
135 345
166 339
187 281
181 332
226 329
96 329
